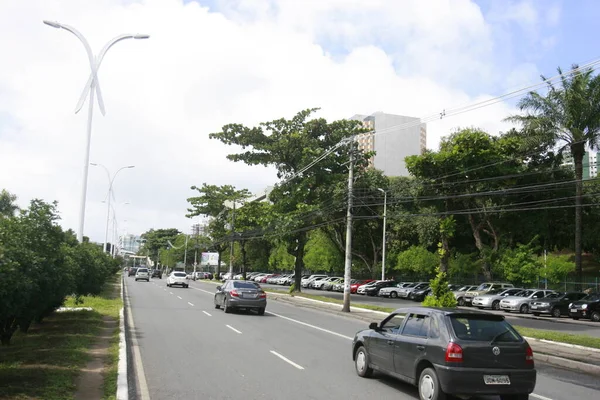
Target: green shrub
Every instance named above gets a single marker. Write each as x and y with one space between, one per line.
292 289
441 294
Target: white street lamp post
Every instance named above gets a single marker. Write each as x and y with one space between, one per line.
110 185
92 86
384 226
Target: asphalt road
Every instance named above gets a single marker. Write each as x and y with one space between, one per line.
566 325
190 350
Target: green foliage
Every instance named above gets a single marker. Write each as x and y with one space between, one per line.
292 288
40 265
520 265
441 294
7 204
280 259
557 267
322 254
417 260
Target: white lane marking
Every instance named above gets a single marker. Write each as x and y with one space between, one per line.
139 367
179 297
171 292
190 304
207 313
287 360
202 290
311 326
233 329
537 396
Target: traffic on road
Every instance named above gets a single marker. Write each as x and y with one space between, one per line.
188 349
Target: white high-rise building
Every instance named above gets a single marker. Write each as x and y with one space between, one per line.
393 138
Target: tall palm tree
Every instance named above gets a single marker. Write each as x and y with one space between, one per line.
568 114
7 203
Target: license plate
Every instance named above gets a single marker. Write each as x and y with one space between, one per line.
573 310
249 295
533 307
496 380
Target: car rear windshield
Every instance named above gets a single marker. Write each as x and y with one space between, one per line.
483 328
244 285
592 297
180 274
142 270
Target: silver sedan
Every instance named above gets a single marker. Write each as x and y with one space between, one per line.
492 298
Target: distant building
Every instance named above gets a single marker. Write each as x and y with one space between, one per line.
590 163
129 244
393 138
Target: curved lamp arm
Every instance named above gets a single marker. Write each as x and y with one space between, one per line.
94 74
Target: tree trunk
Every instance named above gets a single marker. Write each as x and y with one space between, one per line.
24 325
6 331
243 250
445 256
578 151
299 265
479 244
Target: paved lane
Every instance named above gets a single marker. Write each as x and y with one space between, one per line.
304 353
548 323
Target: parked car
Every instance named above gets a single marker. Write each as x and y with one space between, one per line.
520 302
374 290
306 282
448 351
419 295
588 307
405 291
392 291
363 288
132 271
555 304
354 286
240 295
492 298
142 274
459 294
177 278
483 289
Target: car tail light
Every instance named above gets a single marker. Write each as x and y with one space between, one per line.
529 355
234 293
262 295
454 353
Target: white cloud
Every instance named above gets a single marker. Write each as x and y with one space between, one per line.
202 69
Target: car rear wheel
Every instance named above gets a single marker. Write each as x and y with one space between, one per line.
556 312
261 311
461 301
496 305
361 361
226 308
393 295
524 309
429 386
595 316
217 306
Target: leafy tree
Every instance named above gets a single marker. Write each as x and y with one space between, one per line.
7 204
211 202
280 259
157 240
417 260
556 267
249 221
290 146
520 264
567 114
322 254
441 294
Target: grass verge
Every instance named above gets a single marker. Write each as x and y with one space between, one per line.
580 340
45 363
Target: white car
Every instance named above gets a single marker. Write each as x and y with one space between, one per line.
177 278
520 302
142 274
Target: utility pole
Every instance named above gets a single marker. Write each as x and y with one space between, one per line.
384 226
231 248
185 253
348 264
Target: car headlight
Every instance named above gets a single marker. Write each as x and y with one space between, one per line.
583 307
544 304
570 305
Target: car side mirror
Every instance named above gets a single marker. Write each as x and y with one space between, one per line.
218 288
374 326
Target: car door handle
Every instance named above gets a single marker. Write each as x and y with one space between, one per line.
390 342
420 347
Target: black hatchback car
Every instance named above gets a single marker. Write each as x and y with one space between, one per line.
448 351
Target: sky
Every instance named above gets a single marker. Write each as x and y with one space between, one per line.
210 63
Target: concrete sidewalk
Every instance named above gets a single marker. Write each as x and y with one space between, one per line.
579 358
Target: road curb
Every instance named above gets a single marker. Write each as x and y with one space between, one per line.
571 346
122 378
568 363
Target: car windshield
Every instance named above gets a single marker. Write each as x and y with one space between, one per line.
555 295
142 270
484 286
483 328
179 274
591 297
245 285
495 291
524 293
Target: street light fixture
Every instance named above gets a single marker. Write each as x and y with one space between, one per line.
110 185
92 86
384 226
